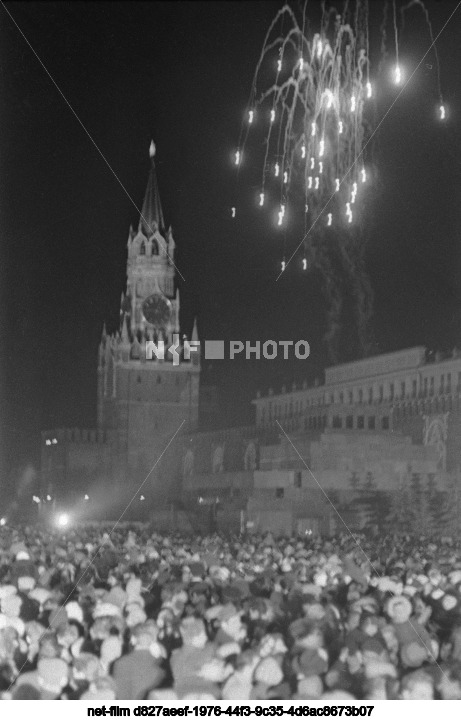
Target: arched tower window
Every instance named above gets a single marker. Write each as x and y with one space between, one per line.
154 247
142 250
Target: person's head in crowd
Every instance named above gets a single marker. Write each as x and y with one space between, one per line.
449 683
417 685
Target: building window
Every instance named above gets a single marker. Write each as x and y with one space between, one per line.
159 379
448 381
279 492
360 422
391 391
298 479
370 395
142 250
351 397
381 393
431 388
402 389
341 397
324 421
360 395
371 423
442 382
139 379
425 386
337 422
349 422
385 423
413 391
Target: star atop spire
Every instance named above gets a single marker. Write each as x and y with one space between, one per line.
151 213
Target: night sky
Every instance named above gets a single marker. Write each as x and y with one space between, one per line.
181 73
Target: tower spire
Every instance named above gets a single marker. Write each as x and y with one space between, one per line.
151 213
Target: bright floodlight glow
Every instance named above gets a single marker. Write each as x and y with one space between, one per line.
337 184
442 112
285 177
397 75
277 170
309 182
364 175
317 183
279 65
304 263
48 442
369 90
54 441
312 163
303 151
261 199
272 116
237 157
301 63
340 127
233 212
62 520
284 265
319 49
353 104
313 129
2 521
322 147
87 498
320 167
330 218
251 115
48 498
142 498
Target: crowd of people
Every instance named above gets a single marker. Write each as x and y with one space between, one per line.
131 614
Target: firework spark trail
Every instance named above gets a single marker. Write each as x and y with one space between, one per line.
310 107
320 114
316 129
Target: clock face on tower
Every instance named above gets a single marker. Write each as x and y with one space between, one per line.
157 310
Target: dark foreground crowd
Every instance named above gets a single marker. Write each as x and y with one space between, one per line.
136 615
